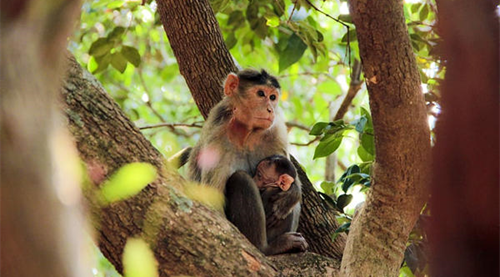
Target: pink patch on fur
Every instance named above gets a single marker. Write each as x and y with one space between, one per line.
208 158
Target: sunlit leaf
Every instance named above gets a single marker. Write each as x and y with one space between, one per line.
273 21
127 181
138 259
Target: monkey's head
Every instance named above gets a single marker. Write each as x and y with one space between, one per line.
254 96
275 171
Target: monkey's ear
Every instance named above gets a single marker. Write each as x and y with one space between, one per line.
285 181
231 84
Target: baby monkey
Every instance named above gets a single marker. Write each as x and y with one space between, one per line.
273 175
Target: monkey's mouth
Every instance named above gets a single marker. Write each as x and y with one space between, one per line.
265 118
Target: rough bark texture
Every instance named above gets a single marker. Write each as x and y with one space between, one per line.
377 238
41 227
464 235
204 61
187 238
198 45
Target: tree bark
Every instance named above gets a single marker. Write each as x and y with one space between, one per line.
204 61
42 228
186 237
198 45
464 234
377 238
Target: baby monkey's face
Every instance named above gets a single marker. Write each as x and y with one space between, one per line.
267 175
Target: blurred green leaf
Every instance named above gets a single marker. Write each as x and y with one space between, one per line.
131 54
424 12
351 34
318 128
127 181
118 62
328 187
138 259
100 47
367 141
344 228
343 200
292 53
273 21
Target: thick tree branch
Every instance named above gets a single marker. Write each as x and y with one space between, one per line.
187 238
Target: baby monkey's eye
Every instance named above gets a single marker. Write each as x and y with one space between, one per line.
261 93
272 97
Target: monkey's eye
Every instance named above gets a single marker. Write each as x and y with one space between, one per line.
261 93
272 97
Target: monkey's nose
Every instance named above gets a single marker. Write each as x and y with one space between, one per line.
269 110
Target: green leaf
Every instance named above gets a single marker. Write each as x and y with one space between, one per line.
103 62
343 200
327 187
424 12
115 4
292 53
328 146
351 34
131 54
344 228
138 259
253 14
231 40
416 7
236 19
364 155
361 123
345 18
367 141
219 5
318 128
118 62
273 21
127 181
116 34
100 47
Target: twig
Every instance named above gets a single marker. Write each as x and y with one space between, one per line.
291 14
297 125
338 21
171 125
307 143
148 93
354 87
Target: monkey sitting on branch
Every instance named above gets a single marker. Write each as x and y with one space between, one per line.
240 131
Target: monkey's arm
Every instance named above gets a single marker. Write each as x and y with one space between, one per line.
283 204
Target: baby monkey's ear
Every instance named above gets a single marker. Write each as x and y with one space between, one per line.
285 181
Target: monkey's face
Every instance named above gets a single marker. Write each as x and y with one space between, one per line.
258 106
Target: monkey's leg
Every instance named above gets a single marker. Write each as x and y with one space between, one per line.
245 210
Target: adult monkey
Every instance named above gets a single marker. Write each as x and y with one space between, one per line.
241 130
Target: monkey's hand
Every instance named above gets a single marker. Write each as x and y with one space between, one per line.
283 204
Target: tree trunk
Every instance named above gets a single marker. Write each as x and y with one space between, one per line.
377 238
198 45
186 237
464 235
42 228
204 61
